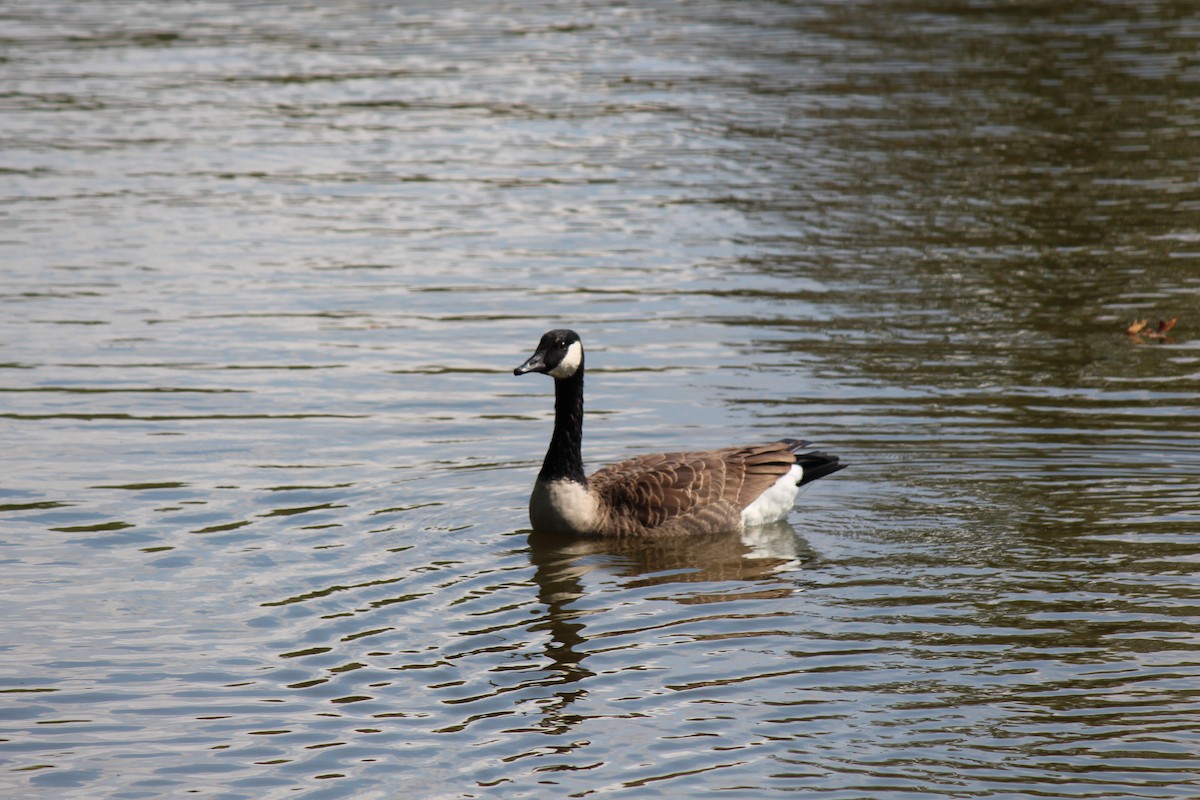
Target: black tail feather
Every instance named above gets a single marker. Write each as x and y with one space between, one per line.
817 465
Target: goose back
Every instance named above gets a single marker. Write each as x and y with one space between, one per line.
691 492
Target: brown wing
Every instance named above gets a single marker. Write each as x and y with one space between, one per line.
655 491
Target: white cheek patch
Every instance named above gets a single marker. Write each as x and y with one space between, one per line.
570 363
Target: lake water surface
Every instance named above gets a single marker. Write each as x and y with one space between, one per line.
265 271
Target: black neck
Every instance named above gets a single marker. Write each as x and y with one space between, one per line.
564 459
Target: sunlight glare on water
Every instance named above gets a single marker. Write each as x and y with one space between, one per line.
266 270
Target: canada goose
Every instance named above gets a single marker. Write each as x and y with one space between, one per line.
661 494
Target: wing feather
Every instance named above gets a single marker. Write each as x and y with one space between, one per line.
668 491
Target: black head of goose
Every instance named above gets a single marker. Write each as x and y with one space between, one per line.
661 494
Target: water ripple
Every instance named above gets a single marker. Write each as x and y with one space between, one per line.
265 276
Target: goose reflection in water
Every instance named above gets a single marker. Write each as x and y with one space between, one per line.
731 566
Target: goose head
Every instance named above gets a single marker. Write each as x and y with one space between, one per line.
559 354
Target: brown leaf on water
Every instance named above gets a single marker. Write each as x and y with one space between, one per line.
1139 332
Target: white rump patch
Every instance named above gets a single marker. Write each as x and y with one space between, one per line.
570 363
775 503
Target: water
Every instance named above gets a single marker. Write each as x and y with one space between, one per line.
266 271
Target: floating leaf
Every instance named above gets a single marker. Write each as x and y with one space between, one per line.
1139 332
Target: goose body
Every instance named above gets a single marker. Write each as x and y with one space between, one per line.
661 494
